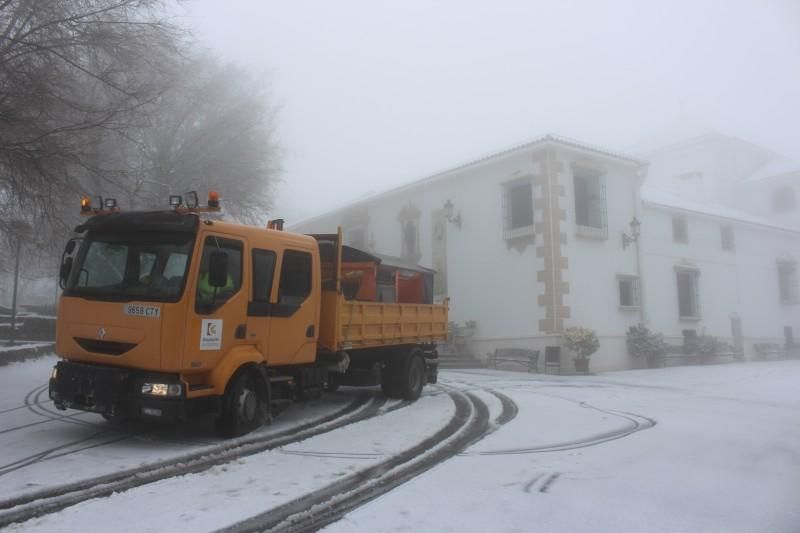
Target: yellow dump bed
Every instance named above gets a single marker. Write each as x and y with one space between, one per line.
348 325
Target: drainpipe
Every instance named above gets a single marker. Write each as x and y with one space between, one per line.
641 172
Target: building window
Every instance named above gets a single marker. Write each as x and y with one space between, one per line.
726 235
788 282
410 241
680 229
784 199
628 291
688 294
590 205
517 209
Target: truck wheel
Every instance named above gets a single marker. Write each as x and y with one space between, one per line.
243 406
333 382
413 377
390 386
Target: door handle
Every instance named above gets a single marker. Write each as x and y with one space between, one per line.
310 331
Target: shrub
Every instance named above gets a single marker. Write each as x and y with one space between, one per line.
582 341
642 342
705 346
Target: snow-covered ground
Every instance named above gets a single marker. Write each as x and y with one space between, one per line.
712 448
724 456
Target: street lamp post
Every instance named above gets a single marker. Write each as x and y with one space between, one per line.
20 229
627 240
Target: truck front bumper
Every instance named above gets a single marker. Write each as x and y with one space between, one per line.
114 392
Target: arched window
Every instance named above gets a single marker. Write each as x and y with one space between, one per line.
410 238
784 199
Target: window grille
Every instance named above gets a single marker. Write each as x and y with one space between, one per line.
788 282
688 294
629 291
726 234
680 229
591 216
517 202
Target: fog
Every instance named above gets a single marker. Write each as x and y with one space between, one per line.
373 95
586 318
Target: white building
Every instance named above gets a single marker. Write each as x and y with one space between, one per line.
533 243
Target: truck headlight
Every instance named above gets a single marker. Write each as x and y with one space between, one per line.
162 389
54 373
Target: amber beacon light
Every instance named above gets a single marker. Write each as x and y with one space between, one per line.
213 199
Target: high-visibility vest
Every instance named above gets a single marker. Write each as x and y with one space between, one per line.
206 292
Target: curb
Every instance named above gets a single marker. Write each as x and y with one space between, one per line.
26 351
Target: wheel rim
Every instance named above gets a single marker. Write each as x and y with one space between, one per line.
248 403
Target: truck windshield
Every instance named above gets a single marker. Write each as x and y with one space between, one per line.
132 266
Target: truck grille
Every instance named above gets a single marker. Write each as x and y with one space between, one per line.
104 347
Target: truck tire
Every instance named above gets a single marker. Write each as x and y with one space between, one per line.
333 382
412 379
244 405
390 386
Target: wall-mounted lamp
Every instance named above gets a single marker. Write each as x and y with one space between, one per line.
448 212
634 236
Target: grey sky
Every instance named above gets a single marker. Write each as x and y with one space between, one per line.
375 94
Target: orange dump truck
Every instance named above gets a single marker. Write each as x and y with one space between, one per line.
168 313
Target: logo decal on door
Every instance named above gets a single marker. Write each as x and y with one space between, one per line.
211 334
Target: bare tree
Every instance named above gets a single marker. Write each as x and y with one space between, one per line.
214 129
70 73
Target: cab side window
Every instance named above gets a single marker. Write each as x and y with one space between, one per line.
211 298
295 283
263 271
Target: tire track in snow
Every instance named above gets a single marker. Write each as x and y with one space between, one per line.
470 423
636 423
34 405
35 504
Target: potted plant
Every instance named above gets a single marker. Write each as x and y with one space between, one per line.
642 343
583 343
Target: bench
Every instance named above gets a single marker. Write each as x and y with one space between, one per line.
766 350
519 356
677 356
727 357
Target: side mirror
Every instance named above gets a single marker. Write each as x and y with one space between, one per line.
66 262
66 268
218 269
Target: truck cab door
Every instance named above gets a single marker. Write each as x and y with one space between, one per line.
259 308
294 315
219 319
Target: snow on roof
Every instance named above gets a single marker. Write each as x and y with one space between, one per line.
543 140
661 198
665 144
775 169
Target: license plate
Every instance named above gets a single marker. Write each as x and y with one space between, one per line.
147 311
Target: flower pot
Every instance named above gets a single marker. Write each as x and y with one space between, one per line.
581 365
